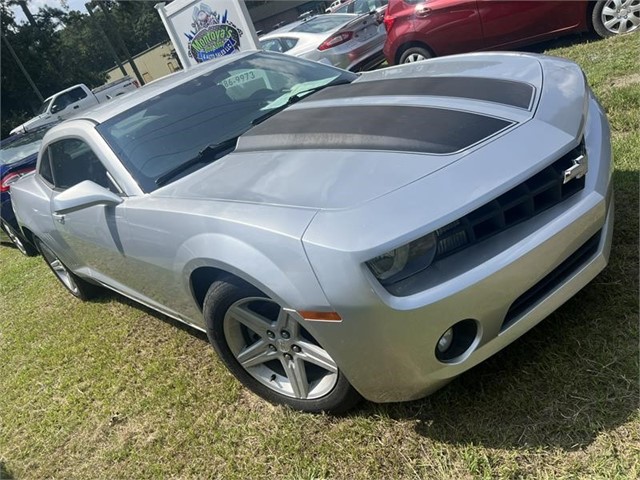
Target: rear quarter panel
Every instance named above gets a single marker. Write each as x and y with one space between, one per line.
30 199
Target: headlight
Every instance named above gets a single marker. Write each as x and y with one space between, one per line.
404 261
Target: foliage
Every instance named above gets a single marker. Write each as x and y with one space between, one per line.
64 48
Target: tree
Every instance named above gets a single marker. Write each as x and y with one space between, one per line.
61 48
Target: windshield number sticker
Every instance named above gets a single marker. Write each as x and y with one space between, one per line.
239 79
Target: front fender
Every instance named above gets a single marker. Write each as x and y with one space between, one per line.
278 266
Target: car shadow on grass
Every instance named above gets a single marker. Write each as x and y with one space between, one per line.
561 42
5 473
562 384
107 296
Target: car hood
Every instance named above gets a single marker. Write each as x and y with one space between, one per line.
350 144
25 126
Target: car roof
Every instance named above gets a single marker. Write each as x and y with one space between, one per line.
291 26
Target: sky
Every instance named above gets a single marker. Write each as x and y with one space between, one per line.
34 5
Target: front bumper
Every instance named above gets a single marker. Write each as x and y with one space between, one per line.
392 354
386 344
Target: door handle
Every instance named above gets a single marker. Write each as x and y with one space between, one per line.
422 11
58 217
77 106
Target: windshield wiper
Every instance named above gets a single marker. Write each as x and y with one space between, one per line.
208 154
295 98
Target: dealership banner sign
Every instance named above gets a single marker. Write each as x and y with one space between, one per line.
205 29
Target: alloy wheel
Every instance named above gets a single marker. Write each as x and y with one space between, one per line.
272 346
59 269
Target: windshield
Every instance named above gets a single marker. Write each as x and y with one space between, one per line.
14 150
361 6
323 23
44 106
172 129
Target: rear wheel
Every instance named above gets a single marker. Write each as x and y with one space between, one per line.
21 244
271 353
615 17
78 287
415 54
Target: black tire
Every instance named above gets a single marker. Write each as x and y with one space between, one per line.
79 288
631 23
21 243
415 54
229 292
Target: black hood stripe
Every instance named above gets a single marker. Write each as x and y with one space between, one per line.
506 92
395 128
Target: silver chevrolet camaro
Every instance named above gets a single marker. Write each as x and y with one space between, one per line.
337 236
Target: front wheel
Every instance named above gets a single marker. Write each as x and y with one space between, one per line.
415 54
267 349
78 287
615 17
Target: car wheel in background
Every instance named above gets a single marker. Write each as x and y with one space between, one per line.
25 247
78 287
615 17
270 352
415 54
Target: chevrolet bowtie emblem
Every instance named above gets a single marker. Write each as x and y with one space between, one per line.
577 170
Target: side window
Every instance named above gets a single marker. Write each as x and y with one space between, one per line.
61 102
73 161
77 94
289 43
68 98
45 167
272 45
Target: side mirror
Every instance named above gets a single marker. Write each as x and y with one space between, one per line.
57 108
83 195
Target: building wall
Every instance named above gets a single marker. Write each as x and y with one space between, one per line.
154 63
266 15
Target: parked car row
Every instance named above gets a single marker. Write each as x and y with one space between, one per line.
333 250
421 29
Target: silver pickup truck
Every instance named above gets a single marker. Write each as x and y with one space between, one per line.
67 103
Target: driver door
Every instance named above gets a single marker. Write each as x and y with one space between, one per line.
71 102
92 237
508 23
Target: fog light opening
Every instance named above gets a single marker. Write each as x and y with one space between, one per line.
456 341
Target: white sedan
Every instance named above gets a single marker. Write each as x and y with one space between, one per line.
352 42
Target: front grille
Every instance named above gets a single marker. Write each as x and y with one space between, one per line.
558 276
540 192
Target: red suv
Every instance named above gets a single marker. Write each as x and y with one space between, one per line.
419 29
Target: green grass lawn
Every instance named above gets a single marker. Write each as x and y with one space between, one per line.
110 390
